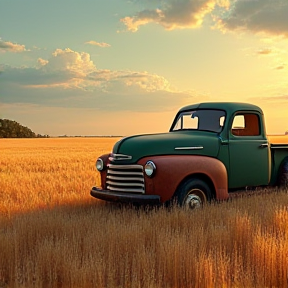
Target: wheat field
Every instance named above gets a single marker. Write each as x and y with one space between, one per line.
54 234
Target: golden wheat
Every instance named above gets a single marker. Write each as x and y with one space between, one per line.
46 172
54 234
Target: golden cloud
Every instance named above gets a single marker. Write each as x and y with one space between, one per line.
100 44
11 47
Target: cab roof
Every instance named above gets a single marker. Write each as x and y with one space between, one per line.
229 107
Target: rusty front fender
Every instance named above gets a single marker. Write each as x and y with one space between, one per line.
171 170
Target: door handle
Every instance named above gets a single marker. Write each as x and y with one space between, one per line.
264 145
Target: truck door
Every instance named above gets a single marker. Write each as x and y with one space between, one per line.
249 152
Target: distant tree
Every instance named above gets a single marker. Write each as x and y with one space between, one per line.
286 133
12 129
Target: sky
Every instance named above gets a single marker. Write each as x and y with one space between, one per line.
119 67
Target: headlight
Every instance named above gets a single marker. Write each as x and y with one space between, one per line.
99 164
150 168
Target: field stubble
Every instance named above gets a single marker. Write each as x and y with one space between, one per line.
54 234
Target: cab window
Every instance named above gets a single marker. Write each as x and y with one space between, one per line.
202 119
246 124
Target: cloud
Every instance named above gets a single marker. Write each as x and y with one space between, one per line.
175 14
102 44
258 16
42 62
71 79
11 47
70 62
278 56
271 51
265 51
280 67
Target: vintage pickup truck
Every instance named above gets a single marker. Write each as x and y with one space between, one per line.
211 151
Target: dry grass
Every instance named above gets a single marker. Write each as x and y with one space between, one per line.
41 173
53 234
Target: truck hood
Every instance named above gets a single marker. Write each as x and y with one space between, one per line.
172 143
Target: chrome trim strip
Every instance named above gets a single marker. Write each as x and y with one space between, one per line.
125 167
189 148
279 147
125 184
119 157
140 179
125 173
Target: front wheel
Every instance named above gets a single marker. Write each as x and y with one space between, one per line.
193 194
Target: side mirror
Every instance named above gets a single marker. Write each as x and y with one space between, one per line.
194 114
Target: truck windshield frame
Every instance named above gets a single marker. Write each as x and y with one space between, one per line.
212 120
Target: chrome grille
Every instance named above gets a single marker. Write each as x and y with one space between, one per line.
125 178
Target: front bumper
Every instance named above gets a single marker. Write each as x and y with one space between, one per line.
108 195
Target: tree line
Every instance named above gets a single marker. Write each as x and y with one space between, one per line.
12 129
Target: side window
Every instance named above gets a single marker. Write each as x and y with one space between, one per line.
246 124
221 121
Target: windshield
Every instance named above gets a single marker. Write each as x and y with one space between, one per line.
207 120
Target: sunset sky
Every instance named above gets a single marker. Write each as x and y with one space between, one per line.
119 67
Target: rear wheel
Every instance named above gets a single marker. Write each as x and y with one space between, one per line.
193 194
283 175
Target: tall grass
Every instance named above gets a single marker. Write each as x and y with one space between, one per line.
53 234
40 173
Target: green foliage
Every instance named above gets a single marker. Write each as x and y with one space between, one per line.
12 129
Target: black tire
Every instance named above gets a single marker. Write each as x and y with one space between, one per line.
283 175
193 193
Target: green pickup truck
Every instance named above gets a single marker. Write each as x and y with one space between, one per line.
211 151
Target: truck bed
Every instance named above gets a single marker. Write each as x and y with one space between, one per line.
276 140
279 152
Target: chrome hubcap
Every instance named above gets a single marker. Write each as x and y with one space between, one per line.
195 199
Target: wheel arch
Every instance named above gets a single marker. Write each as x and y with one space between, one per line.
282 174
201 176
